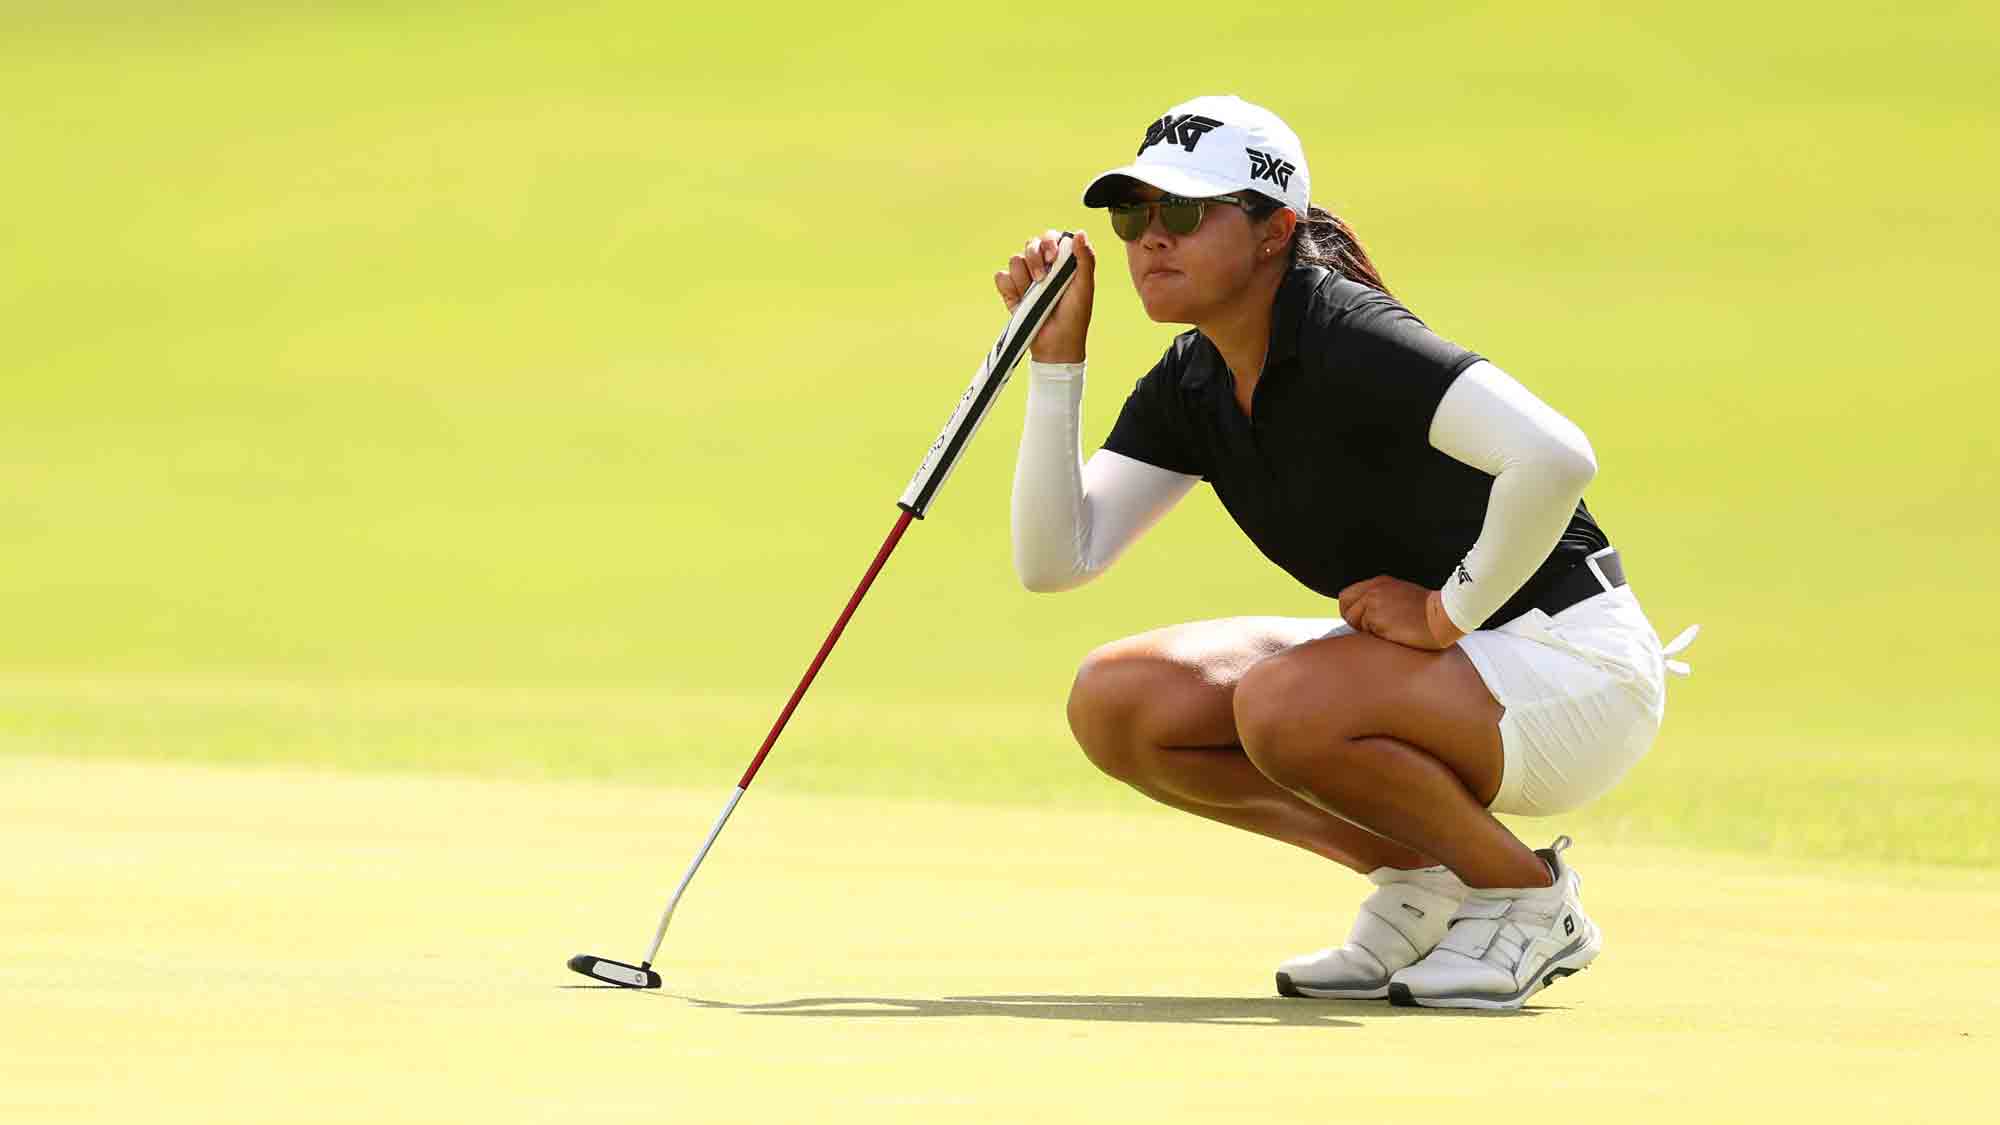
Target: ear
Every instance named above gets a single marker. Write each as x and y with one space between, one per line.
1278 230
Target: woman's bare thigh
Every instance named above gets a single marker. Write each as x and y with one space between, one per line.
1186 675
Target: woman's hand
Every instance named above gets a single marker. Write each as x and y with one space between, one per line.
1061 337
1399 611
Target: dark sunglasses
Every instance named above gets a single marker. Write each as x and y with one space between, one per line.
1179 214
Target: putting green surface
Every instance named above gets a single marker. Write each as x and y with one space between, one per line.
205 944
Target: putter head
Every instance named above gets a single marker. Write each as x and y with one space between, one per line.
616 972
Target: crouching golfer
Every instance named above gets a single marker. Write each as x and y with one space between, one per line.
1489 655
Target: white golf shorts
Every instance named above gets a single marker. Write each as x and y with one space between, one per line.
1584 692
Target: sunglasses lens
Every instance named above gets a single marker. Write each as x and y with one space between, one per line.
1180 217
1128 220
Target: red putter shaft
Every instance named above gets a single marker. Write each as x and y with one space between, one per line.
867 580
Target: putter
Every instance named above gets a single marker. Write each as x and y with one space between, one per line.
973 406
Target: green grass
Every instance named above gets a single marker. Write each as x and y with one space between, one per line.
391 949
518 391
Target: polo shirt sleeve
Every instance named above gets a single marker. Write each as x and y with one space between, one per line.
1396 369
1154 427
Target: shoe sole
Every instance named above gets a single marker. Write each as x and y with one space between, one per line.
1287 988
1565 964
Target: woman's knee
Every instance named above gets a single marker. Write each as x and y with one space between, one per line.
1263 702
1106 706
1285 731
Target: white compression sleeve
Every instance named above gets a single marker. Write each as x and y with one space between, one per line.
1071 520
1540 463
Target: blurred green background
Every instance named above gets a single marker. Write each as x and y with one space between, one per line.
521 388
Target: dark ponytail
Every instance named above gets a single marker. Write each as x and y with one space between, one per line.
1323 239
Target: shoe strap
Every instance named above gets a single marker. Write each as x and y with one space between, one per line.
1482 919
1401 920
1475 925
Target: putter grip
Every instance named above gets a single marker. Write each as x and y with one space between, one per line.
1034 308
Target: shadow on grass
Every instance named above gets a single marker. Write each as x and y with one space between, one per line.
1233 1011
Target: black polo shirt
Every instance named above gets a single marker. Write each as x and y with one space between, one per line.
1333 475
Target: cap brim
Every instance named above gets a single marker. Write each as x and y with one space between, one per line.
1174 181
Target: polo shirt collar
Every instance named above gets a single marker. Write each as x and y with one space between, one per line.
1288 306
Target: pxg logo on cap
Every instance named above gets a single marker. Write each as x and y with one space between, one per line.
1187 130
1264 166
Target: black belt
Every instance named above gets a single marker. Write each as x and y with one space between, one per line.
1580 582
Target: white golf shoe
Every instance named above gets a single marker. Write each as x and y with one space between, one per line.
1399 923
1505 945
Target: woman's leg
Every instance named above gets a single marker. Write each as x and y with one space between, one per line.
1401 741
1157 712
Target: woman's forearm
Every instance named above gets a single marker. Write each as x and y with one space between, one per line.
1540 463
1071 520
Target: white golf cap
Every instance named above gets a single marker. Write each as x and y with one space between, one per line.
1214 145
